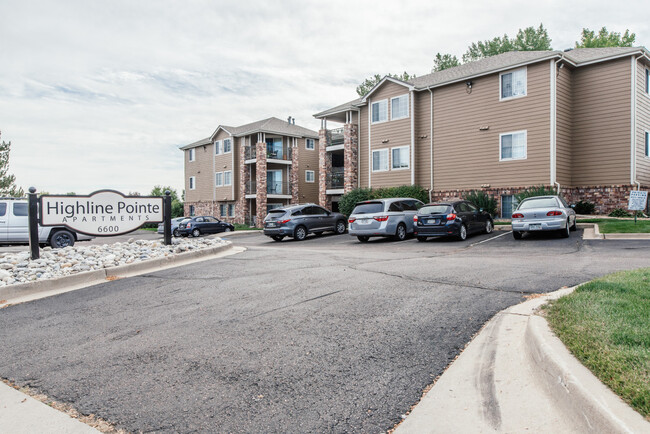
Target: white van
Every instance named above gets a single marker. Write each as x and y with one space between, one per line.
14 227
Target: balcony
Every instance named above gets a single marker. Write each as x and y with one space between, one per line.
335 179
276 153
273 188
335 140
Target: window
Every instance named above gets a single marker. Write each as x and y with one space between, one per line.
227 146
380 160
192 210
379 111
218 179
399 107
309 176
309 144
400 158
217 147
274 148
395 207
508 206
223 210
513 146
227 178
3 209
192 182
191 154
470 207
20 209
513 84
231 210
647 144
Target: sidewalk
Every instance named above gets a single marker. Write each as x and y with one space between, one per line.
516 376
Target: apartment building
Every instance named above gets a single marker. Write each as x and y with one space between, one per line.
239 173
576 120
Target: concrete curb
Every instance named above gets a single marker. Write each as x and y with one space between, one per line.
589 404
94 277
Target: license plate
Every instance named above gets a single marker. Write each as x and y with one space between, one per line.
535 227
432 221
364 222
270 225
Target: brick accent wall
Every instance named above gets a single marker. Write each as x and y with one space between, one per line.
295 171
241 208
324 167
350 169
260 172
206 207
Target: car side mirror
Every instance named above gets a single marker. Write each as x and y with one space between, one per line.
480 210
573 205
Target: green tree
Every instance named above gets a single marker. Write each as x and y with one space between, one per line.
589 39
371 82
444 61
177 204
7 182
528 39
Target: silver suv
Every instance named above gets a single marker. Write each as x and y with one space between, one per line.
383 218
14 227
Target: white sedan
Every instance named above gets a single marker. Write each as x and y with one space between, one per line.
543 213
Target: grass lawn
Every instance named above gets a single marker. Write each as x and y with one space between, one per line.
241 227
149 229
606 325
610 226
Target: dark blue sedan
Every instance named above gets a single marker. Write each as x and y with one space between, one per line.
196 226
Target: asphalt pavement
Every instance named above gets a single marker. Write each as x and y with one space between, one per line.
327 334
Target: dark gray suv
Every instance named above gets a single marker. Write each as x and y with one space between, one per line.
297 221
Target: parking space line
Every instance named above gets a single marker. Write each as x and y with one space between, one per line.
490 239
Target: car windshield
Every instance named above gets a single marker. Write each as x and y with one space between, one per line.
368 208
542 202
435 209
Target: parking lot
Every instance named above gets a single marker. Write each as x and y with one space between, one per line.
327 334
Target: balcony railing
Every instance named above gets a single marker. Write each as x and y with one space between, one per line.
272 187
336 137
335 179
284 153
250 152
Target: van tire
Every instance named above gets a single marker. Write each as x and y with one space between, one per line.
61 238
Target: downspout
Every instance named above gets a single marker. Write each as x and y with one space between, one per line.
553 121
369 143
359 148
431 145
214 177
633 123
412 140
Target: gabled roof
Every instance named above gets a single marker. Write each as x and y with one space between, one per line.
198 143
407 84
580 56
350 105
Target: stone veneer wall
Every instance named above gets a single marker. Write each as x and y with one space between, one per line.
205 207
324 167
350 151
241 206
295 171
606 197
260 175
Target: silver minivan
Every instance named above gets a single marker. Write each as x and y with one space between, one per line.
383 218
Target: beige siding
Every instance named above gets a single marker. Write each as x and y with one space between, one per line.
222 163
307 160
201 168
363 148
563 126
601 124
423 139
390 134
642 125
466 157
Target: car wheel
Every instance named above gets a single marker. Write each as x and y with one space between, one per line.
196 233
489 227
227 230
363 238
574 226
300 234
61 238
340 227
462 234
564 233
277 237
422 239
517 235
176 233
400 233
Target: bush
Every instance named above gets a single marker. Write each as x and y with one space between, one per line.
482 200
349 200
584 207
619 212
535 191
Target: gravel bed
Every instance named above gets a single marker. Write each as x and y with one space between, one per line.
18 268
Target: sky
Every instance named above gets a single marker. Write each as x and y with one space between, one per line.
101 94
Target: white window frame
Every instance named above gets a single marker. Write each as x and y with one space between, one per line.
313 176
221 208
372 161
385 101
392 118
192 183
231 214
217 147
646 144
218 180
229 172
313 144
224 146
508 98
646 81
191 154
525 133
408 159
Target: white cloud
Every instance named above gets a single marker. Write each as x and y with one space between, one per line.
101 94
